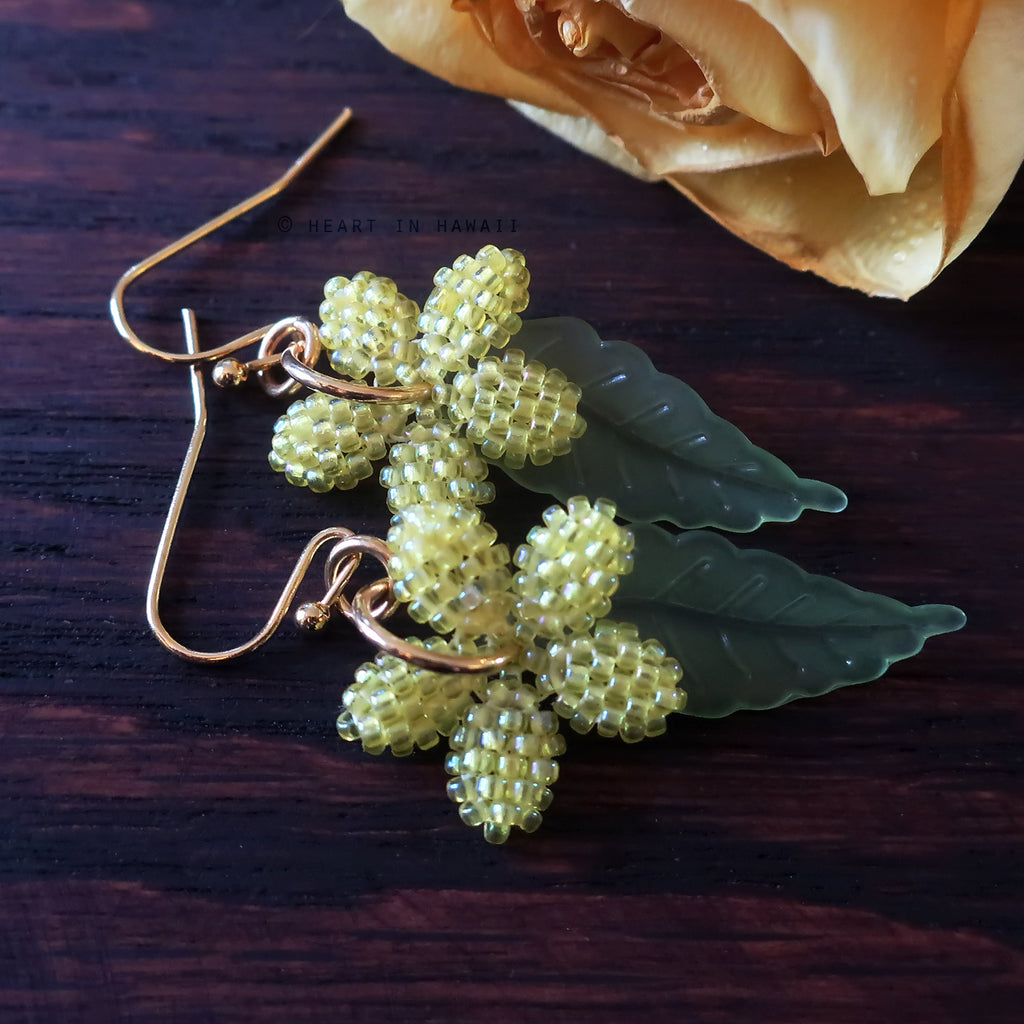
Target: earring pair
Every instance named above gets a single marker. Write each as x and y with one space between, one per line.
446 391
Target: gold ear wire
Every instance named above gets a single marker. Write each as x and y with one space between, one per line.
375 601
163 549
369 605
133 273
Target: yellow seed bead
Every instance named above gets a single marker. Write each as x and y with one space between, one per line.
502 759
324 443
394 704
448 568
370 329
613 680
569 568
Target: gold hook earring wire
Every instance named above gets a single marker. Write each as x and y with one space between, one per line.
171 524
133 273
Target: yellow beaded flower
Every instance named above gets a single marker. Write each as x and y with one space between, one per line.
449 570
512 409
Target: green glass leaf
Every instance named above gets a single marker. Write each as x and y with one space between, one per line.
653 447
752 630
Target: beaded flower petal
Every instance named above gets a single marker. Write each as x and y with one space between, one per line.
395 705
517 410
449 569
323 442
434 464
569 568
475 305
613 680
369 328
503 759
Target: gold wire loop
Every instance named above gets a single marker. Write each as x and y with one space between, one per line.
156 578
269 356
353 547
379 597
136 271
377 601
339 387
342 571
363 617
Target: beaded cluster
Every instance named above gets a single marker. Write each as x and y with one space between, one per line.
502 759
613 680
516 410
368 326
513 409
449 568
569 568
434 464
324 443
547 604
601 674
392 704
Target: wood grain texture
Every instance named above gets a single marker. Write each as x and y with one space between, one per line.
191 844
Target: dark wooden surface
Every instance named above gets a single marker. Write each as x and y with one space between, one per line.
195 844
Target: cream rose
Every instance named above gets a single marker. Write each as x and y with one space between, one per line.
866 140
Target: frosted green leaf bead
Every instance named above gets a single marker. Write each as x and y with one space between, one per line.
517 410
613 680
448 568
324 443
394 704
475 306
435 465
503 759
369 327
569 568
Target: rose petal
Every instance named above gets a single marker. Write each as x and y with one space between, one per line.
665 149
445 42
586 136
985 122
885 67
607 92
662 151
745 59
813 213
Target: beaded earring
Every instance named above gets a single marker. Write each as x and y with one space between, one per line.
444 393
